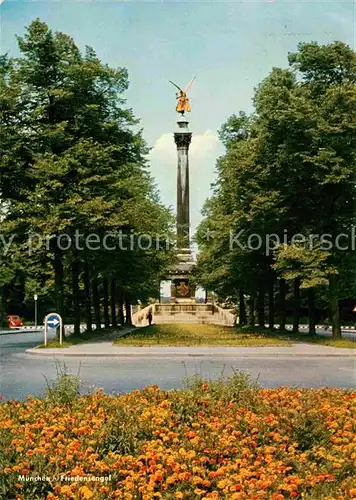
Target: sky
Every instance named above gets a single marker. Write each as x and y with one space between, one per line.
230 46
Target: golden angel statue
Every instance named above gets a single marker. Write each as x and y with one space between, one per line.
183 105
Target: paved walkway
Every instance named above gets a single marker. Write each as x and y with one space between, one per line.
105 348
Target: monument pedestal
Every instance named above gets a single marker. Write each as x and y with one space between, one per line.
182 287
182 290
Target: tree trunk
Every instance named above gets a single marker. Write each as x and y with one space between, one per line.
87 296
251 311
113 303
271 303
106 303
3 315
311 311
3 320
96 303
282 304
261 306
121 315
58 286
128 312
296 314
242 309
76 294
334 307
5 298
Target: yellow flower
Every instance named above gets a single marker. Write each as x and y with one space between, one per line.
65 489
222 484
86 492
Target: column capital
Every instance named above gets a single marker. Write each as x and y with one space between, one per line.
182 139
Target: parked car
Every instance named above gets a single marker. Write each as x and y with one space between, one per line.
14 321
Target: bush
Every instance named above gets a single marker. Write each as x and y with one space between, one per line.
65 388
3 322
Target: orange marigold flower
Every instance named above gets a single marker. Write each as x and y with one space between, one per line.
65 489
86 492
222 484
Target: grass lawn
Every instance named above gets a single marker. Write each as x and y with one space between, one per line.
198 334
201 335
84 338
327 341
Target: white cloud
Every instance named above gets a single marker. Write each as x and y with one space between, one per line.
202 147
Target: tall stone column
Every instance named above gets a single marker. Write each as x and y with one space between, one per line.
182 140
182 289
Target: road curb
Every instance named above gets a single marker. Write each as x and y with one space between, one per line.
42 352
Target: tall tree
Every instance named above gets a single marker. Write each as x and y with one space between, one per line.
81 170
288 171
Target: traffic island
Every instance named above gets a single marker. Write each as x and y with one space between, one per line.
186 341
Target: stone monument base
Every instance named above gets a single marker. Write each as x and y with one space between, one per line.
182 286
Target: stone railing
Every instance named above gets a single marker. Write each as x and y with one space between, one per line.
140 316
224 315
200 313
171 309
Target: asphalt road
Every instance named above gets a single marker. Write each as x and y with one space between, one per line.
22 374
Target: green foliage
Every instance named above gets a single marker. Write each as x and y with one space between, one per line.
310 266
288 169
124 434
79 160
239 389
65 388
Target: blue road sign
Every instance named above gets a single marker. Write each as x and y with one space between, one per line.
53 320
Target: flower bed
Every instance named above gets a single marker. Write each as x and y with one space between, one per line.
224 440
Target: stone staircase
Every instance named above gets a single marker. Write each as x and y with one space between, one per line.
184 313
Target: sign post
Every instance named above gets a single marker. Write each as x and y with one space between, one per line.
36 315
53 320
